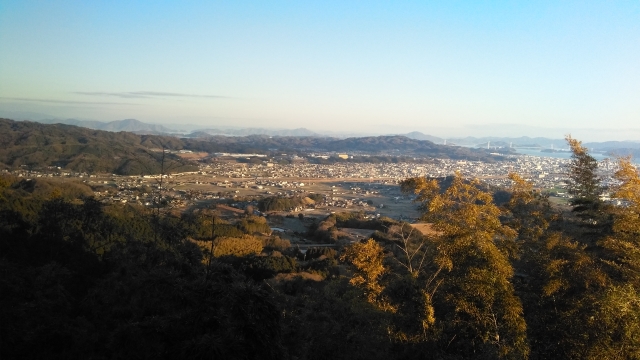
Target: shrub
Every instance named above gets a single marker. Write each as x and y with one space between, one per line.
316 197
254 224
275 243
323 266
316 252
239 247
264 267
274 203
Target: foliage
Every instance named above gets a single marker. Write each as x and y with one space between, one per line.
316 197
322 266
476 298
623 245
275 243
83 150
254 224
617 316
205 230
316 252
327 231
564 285
523 280
83 281
239 247
330 320
275 203
410 248
530 212
265 267
367 259
584 183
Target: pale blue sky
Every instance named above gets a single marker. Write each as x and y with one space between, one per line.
445 68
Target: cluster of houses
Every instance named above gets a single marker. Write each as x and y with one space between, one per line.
293 179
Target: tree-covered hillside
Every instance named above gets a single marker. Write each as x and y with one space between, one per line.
514 279
374 145
84 150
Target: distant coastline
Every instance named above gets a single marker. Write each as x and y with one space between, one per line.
558 154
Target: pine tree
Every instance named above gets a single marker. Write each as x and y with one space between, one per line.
584 183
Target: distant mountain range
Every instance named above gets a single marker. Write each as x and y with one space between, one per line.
416 135
130 125
139 127
254 131
76 148
123 152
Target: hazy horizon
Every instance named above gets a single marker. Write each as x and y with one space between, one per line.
451 69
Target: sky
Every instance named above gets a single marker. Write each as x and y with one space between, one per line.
445 68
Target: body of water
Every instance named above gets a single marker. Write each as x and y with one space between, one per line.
557 155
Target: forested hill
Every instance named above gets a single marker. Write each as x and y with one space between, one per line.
374 145
82 149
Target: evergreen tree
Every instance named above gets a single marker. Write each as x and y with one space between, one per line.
584 183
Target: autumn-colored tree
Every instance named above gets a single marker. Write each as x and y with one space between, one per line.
367 259
563 284
476 303
530 212
4 182
624 244
413 285
561 281
618 311
410 248
617 324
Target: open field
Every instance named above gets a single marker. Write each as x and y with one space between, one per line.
193 156
383 199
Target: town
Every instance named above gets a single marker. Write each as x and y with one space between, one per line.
363 186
